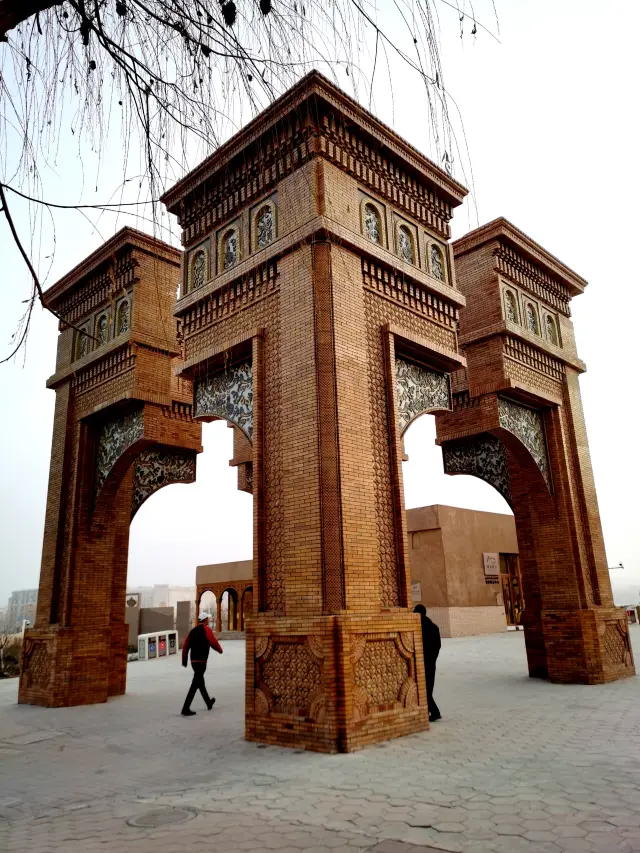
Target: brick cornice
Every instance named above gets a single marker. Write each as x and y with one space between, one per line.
316 85
501 230
125 237
504 329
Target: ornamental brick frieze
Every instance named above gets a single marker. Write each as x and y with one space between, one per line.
410 294
532 277
483 456
228 300
227 395
544 385
115 436
110 280
263 165
376 316
154 469
289 676
353 153
527 425
219 198
533 357
106 368
419 390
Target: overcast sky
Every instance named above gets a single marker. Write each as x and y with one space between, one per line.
550 116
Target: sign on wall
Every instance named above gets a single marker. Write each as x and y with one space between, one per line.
491 564
416 591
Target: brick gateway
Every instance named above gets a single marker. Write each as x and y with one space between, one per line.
321 309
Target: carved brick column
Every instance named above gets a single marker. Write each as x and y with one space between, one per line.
341 666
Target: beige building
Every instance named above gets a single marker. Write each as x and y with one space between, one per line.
464 568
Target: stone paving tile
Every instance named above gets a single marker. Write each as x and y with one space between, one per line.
515 765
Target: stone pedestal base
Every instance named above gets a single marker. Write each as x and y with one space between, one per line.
578 646
69 666
334 683
587 646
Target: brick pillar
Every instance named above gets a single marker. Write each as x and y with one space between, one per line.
573 632
339 666
80 630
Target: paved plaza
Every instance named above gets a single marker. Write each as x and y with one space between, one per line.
515 765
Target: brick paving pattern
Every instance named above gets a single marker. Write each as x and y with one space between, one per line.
517 764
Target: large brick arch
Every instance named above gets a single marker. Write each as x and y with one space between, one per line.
347 343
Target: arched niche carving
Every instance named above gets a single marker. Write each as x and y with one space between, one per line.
483 456
419 390
114 438
154 469
227 395
528 426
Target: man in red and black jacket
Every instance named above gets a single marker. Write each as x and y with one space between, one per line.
199 640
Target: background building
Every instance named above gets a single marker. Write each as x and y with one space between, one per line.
21 605
464 568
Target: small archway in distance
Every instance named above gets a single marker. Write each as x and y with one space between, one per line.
246 607
229 609
208 603
184 526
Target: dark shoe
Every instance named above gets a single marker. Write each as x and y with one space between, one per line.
211 703
188 712
434 717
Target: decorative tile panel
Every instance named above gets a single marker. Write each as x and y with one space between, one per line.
36 663
115 437
380 672
526 424
419 390
157 468
616 647
227 395
482 456
290 677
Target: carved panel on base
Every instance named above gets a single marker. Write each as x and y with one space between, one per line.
289 677
615 644
36 664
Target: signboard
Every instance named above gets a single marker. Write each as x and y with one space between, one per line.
491 564
416 591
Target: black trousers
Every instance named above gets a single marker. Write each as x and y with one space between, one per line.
199 670
430 676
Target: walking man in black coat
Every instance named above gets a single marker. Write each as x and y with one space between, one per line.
199 640
431 644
